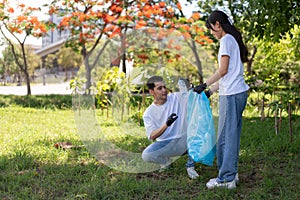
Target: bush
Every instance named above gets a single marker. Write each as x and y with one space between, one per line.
38 101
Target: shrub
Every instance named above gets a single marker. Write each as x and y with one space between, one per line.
37 101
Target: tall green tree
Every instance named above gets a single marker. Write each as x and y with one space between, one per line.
278 63
271 31
262 19
68 59
269 19
9 64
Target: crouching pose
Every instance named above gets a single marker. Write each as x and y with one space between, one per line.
165 124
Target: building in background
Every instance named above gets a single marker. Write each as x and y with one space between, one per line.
54 39
56 35
51 44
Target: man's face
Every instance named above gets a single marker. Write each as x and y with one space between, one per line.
160 91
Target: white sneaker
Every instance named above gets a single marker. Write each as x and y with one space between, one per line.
229 185
192 173
236 178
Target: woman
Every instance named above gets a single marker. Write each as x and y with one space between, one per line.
232 96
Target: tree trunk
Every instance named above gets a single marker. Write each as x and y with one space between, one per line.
27 79
198 61
290 122
249 63
66 74
88 75
123 52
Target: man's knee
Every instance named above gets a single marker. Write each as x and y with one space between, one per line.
147 156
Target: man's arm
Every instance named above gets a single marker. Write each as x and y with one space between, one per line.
158 132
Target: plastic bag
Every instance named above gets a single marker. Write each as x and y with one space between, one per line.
201 138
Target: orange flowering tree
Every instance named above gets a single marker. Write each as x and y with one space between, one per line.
88 21
160 20
194 33
91 21
18 22
167 18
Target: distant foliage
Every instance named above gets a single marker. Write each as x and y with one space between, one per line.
37 101
276 69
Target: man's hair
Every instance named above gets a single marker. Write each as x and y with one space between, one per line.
152 80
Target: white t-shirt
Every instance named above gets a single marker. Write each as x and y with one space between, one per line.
156 115
233 82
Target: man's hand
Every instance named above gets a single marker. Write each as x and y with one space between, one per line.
200 88
171 119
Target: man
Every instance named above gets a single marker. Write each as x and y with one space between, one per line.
165 124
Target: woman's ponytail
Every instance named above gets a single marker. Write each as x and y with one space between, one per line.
228 27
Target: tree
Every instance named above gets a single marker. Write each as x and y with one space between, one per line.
91 21
68 59
271 31
8 64
49 63
278 63
262 19
196 34
88 22
163 18
19 22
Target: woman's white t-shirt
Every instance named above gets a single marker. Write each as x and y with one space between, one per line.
233 82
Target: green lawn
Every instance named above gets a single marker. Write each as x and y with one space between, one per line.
31 167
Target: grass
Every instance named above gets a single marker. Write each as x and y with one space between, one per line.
31 167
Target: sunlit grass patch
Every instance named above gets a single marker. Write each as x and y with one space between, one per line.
32 167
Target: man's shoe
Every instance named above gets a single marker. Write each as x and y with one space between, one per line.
192 172
213 184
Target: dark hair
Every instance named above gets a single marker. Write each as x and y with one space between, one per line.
152 80
228 27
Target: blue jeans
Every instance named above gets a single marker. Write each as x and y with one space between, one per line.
160 152
231 109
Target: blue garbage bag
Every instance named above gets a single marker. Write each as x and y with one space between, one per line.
201 138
